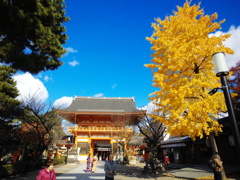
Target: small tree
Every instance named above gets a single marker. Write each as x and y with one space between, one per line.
125 132
41 127
153 131
234 84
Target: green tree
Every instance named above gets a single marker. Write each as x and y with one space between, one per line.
32 34
10 108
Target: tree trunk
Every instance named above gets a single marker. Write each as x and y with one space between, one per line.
215 149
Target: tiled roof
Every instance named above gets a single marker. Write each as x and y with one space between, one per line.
102 104
177 140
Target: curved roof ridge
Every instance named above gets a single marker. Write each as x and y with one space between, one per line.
92 97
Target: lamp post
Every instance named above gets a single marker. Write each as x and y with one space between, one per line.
68 142
222 71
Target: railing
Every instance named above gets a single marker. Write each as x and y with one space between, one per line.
92 128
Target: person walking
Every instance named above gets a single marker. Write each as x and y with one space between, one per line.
166 162
218 164
110 168
47 173
88 169
94 163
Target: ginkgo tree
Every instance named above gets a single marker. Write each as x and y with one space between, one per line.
183 71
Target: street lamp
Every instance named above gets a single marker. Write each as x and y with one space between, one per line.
222 71
214 90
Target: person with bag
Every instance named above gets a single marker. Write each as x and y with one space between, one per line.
218 167
47 173
166 162
110 168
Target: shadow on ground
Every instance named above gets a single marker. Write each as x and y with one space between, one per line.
137 172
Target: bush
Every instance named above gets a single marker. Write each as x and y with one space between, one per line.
7 170
11 169
61 160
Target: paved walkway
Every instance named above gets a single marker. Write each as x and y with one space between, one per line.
130 172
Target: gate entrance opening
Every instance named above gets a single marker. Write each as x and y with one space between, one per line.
102 149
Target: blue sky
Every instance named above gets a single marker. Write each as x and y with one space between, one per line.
107 49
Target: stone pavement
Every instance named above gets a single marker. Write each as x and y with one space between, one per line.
129 172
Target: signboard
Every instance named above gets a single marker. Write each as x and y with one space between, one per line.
103 149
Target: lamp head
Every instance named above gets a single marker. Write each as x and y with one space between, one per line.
213 91
220 64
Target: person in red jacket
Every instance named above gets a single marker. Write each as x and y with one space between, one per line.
166 162
47 173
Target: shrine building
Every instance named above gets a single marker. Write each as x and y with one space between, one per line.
100 122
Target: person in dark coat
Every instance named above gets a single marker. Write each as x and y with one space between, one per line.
110 168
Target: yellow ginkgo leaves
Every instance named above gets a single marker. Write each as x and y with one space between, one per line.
183 70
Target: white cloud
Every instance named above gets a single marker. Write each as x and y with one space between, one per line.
71 50
234 43
63 102
99 95
114 86
150 108
30 87
47 78
39 75
65 126
73 63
